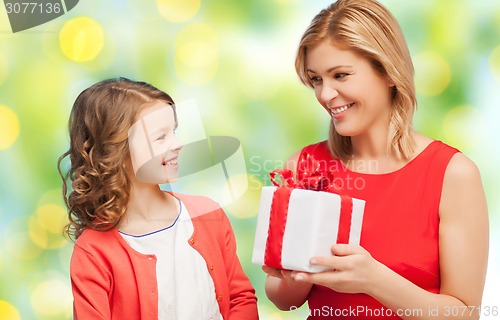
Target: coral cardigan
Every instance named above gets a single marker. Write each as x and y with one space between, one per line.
110 280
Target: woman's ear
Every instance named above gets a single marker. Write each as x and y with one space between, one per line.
391 83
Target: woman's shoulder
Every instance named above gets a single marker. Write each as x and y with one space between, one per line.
461 169
431 150
425 143
458 168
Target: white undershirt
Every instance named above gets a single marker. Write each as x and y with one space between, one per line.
185 288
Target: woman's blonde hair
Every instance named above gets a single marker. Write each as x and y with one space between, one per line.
370 30
98 127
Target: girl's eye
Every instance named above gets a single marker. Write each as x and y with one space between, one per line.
163 136
340 75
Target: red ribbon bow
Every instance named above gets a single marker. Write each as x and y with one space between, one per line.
310 177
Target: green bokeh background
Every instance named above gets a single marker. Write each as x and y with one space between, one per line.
235 58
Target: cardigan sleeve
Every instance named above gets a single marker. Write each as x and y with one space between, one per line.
90 285
243 302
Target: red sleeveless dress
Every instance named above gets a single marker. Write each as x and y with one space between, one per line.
400 225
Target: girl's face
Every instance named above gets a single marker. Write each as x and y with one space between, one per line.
154 148
356 96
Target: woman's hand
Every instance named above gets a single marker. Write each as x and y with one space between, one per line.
283 290
350 270
282 274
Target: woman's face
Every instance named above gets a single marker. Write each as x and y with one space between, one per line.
154 148
356 96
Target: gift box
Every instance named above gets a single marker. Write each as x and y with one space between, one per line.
299 220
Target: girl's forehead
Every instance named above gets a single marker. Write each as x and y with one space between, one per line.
156 108
161 117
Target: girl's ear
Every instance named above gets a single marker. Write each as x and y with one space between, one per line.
127 166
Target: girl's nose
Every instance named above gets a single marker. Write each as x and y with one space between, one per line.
176 144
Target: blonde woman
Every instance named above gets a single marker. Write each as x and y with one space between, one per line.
140 252
424 244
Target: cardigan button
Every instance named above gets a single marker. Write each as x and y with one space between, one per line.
192 241
219 298
211 267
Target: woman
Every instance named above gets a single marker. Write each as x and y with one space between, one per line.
424 242
142 253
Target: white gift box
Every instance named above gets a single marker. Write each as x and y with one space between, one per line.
311 228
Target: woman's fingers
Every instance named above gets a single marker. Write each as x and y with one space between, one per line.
347 249
321 278
272 272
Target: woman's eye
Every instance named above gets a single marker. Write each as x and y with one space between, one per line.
315 79
340 75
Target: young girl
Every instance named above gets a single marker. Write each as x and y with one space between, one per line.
142 253
424 241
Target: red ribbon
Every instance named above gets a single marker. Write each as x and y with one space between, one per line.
309 178
277 223
345 219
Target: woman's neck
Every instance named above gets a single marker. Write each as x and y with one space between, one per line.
370 154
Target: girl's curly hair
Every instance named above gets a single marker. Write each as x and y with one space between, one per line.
98 127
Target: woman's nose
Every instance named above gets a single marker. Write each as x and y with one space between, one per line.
327 94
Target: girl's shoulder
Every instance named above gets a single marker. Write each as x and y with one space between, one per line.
93 240
198 205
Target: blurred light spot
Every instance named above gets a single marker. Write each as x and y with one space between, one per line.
196 54
37 233
178 11
276 316
20 246
495 62
265 62
432 74
52 217
196 32
53 196
145 7
463 126
51 298
9 127
247 205
81 39
288 2
65 256
42 232
4 68
8 311
452 13
251 84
